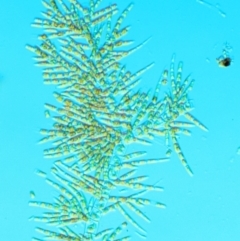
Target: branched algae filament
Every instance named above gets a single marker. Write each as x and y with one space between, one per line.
99 113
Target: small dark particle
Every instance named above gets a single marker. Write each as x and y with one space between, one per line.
224 62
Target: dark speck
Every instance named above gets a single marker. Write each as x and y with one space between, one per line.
224 62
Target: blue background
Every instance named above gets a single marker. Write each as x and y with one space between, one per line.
204 207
